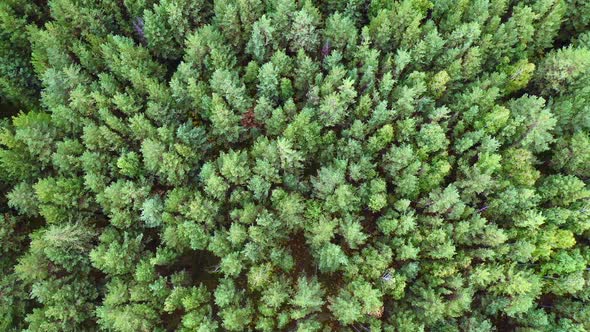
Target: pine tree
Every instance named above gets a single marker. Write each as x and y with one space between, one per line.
407 165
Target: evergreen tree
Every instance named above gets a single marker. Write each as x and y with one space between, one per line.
280 165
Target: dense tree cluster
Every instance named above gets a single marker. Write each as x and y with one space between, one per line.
282 165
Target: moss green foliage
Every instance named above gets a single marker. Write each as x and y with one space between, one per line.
18 83
281 165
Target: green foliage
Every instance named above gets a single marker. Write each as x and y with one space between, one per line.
18 83
280 165
307 299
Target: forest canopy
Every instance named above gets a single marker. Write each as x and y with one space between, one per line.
295 165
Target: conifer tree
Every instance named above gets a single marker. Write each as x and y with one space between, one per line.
280 165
